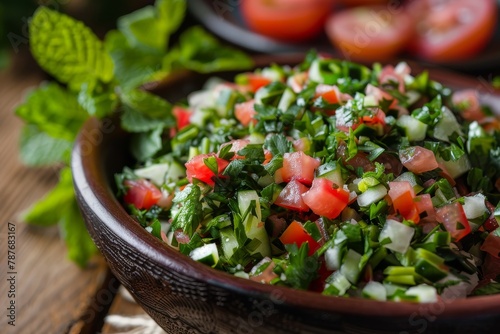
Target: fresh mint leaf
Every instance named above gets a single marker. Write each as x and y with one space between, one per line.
143 28
133 66
39 149
171 13
54 111
146 144
47 211
67 49
100 101
80 245
148 104
134 121
201 52
190 212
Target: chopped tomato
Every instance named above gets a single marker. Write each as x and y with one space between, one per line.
402 196
370 33
196 168
325 199
418 159
299 166
468 103
395 74
267 156
296 234
141 193
236 146
360 160
492 245
319 283
379 95
331 94
297 81
245 112
256 81
182 115
424 204
289 20
451 30
491 223
452 216
291 197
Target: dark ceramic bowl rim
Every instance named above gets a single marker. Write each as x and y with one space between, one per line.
91 182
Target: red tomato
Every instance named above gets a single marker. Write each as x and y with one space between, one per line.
424 204
452 216
452 29
370 33
299 166
291 197
402 196
182 116
289 20
351 3
141 193
236 146
492 245
418 159
257 81
467 102
244 112
196 168
296 234
326 200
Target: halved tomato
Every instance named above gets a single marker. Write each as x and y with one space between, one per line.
196 168
291 197
289 20
299 166
141 193
296 234
370 33
452 29
325 199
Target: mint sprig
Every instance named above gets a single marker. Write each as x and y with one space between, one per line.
96 78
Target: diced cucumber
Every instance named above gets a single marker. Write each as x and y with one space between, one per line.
375 290
456 168
333 258
225 101
474 206
275 73
156 173
256 138
207 254
315 71
350 266
424 293
242 274
228 241
286 100
339 281
414 129
370 101
372 195
413 179
399 234
331 171
254 227
446 126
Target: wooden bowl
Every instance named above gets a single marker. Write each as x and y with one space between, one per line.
184 296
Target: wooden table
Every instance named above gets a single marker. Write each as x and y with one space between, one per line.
52 295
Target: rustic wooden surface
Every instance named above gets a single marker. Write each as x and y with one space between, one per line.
53 295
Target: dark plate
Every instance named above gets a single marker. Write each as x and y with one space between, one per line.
184 296
223 18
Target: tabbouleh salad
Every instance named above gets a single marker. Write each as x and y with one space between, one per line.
332 177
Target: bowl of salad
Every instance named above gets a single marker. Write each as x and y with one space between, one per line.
308 195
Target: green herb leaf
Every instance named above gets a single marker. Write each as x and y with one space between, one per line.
67 49
48 108
47 211
80 245
37 148
199 51
100 101
190 212
146 144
